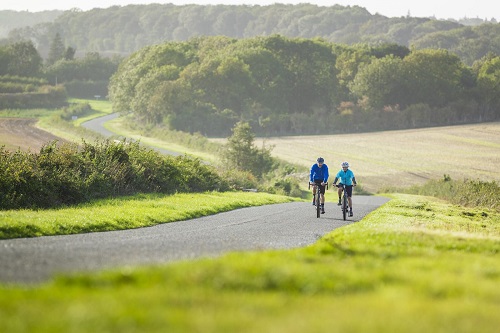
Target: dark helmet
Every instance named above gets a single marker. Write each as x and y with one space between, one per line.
320 160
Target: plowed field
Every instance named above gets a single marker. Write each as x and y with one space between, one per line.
17 133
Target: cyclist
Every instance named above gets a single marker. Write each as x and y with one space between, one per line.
347 178
318 177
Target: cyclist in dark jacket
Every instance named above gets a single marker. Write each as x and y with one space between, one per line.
319 177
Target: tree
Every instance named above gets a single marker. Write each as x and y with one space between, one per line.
57 50
382 81
435 77
489 88
70 53
241 153
24 59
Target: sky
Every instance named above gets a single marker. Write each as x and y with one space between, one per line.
441 9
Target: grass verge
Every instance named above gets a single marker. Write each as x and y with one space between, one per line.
416 264
126 213
174 141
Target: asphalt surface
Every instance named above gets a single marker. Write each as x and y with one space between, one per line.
279 226
97 125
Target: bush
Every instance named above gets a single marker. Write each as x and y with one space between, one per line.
473 193
75 110
69 174
44 97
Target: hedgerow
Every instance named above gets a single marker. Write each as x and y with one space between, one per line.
467 192
65 174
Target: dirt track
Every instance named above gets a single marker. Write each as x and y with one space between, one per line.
16 133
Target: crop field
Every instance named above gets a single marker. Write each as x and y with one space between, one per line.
401 158
19 133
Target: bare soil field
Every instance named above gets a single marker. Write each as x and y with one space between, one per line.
401 158
19 133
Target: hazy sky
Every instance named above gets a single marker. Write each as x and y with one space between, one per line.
443 9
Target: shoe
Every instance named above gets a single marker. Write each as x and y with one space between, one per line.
340 203
350 213
322 211
314 201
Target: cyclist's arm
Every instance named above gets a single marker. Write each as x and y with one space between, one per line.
335 181
354 181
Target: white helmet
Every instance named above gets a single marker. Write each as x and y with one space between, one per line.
345 164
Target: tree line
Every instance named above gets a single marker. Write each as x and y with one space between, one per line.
282 85
123 30
25 75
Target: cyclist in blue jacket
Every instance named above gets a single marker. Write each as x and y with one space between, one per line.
347 178
319 177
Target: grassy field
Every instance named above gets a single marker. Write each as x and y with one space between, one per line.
121 128
416 265
402 158
126 213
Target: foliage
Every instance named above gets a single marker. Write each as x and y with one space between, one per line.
75 110
20 58
126 29
57 50
296 86
470 193
69 174
44 96
241 153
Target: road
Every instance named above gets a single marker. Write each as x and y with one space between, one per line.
97 125
279 226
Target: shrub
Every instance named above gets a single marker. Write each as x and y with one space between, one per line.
69 174
473 193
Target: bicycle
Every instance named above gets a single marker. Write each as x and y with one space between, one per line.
344 202
317 201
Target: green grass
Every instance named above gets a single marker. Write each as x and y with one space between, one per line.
100 107
417 264
175 141
126 213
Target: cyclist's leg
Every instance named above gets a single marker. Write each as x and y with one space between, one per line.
349 197
314 194
322 191
340 194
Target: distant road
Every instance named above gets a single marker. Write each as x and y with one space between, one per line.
97 125
279 226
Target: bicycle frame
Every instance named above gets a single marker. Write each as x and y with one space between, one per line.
318 198
344 202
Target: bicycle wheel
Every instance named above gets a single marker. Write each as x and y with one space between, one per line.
318 205
344 206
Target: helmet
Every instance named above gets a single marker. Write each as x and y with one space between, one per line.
320 160
345 164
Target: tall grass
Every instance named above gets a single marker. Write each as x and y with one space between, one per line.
472 193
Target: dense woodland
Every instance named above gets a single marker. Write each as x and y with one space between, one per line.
282 86
123 30
306 70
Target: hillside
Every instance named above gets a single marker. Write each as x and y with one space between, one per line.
10 19
123 30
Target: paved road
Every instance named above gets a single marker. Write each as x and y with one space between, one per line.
97 125
278 226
